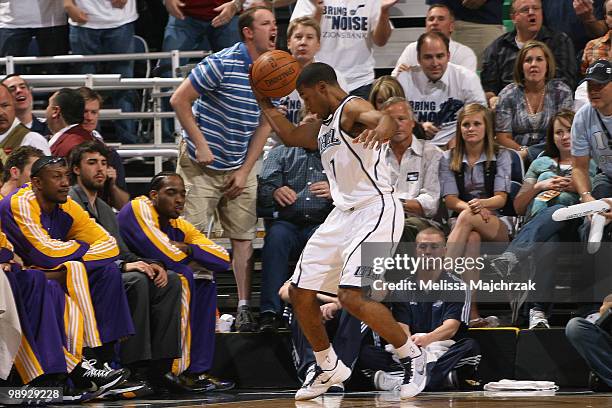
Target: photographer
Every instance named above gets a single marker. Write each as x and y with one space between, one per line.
594 343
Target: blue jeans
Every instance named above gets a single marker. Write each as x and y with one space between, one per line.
284 241
50 41
120 40
593 344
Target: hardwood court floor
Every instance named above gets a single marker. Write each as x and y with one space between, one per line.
284 399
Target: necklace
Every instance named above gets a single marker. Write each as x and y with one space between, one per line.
534 115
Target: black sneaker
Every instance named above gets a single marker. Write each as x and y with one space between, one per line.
220 385
187 383
85 374
596 384
268 322
245 322
130 389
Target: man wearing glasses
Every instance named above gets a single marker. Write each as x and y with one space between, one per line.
500 56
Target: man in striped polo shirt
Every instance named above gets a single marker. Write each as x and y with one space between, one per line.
222 141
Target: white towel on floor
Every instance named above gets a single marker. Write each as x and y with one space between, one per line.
10 329
521 385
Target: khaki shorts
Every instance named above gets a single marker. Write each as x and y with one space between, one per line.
205 195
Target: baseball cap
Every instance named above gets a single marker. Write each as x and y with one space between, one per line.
600 71
45 161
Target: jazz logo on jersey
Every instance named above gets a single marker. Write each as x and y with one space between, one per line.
328 139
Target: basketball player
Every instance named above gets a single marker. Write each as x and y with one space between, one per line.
366 211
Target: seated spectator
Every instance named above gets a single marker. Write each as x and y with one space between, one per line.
17 168
599 48
151 227
477 22
581 20
547 186
594 344
12 133
475 182
414 170
437 89
115 189
346 46
98 29
153 293
385 87
22 94
499 57
438 326
591 136
44 20
439 18
526 107
65 118
294 193
35 219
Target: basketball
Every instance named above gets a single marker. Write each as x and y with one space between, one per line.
274 73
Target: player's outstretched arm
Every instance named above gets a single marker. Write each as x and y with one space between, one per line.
379 125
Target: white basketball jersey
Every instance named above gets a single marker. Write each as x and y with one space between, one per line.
355 174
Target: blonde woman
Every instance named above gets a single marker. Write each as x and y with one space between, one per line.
475 182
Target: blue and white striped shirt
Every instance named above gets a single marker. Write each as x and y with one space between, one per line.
226 111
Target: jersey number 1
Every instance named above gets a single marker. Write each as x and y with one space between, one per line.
333 165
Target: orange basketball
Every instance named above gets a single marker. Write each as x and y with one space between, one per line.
274 73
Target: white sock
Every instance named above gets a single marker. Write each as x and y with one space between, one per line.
408 350
326 359
243 303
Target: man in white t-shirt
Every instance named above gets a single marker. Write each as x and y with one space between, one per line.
45 20
12 133
106 27
441 19
437 89
349 31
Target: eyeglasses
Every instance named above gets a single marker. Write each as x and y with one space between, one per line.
525 10
53 160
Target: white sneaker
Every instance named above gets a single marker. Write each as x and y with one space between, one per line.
322 380
537 320
415 375
384 381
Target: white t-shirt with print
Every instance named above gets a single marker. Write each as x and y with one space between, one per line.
346 37
440 101
102 15
32 13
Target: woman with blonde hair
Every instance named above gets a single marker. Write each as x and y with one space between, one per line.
527 105
384 88
475 183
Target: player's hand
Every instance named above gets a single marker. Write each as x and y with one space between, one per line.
118 3
140 266
321 189
6 267
329 310
226 12
235 184
309 118
371 139
387 4
403 67
183 247
284 196
430 129
174 8
76 14
473 4
204 156
161 276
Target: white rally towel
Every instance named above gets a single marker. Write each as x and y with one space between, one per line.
520 385
10 329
